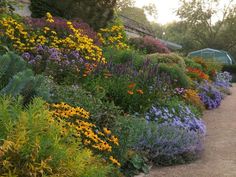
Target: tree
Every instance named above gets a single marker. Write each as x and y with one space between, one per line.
122 4
136 14
199 16
151 10
97 13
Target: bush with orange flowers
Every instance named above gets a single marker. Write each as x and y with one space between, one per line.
197 74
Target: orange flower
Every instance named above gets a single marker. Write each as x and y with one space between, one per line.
139 91
130 92
132 85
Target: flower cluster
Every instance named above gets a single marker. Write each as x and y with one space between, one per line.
192 97
132 89
182 117
197 74
209 95
57 64
179 91
149 45
60 26
75 119
113 36
168 144
223 79
25 38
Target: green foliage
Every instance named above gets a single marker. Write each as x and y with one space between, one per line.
197 16
103 113
6 6
117 89
122 55
10 64
128 129
177 75
16 79
191 63
32 145
96 13
135 165
171 58
137 14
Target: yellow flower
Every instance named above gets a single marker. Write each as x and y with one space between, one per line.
106 131
114 161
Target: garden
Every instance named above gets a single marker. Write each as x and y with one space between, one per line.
81 102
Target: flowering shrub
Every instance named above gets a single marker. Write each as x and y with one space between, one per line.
149 45
61 27
192 97
173 134
197 74
76 119
167 144
223 79
182 117
32 145
209 95
60 66
24 39
113 36
209 67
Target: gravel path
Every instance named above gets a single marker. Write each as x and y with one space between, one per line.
219 157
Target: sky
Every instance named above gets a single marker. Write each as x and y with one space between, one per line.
166 9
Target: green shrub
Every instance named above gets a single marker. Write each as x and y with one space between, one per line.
103 113
135 99
171 58
16 79
122 55
97 13
10 64
192 64
177 75
31 145
129 129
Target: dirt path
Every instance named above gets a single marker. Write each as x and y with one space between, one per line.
219 158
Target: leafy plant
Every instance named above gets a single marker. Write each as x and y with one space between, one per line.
148 45
171 59
119 56
177 75
96 13
31 144
16 79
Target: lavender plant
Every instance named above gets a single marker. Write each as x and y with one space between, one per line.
209 95
172 135
168 144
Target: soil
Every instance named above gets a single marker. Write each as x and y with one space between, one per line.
219 156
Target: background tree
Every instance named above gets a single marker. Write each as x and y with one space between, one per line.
122 4
199 19
97 13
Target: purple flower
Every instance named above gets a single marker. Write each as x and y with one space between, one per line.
26 56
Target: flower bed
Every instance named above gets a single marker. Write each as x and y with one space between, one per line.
116 115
